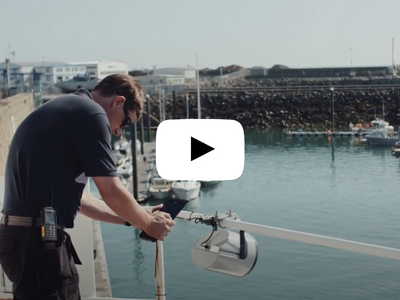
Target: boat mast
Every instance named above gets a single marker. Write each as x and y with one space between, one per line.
198 89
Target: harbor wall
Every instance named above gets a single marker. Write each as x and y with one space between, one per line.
13 111
291 109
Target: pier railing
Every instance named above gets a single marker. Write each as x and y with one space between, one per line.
82 234
232 221
293 88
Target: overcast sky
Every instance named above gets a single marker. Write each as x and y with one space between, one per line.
169 33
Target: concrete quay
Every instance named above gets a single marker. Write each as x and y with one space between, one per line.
103 286
144 168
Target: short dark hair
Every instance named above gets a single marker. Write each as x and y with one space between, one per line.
126 86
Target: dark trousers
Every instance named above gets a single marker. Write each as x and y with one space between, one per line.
38 270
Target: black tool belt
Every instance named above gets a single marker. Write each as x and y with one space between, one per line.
23 221
36 221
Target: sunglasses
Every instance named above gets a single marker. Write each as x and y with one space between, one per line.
127 121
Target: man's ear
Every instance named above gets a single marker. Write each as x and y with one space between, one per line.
118 101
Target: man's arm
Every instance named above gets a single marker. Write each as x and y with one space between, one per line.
92 140
119 200
97 209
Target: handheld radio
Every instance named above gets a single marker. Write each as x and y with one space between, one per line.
49 224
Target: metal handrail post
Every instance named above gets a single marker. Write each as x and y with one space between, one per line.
159 272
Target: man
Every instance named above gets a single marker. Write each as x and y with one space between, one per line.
52 153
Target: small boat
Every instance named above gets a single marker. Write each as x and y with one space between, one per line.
396 150
125 168
118 157
363 140
159 188
123 180
377 123
208 183
383 137
123 146
186 189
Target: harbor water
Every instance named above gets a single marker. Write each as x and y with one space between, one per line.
327 186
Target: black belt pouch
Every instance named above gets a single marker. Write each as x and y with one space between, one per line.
55 261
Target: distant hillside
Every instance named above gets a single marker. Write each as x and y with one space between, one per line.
217 71
178 71
140 72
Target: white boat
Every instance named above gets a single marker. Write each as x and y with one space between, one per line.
380 124
383 134
123 180
382 139
159 188
124 146
377 123
125 168
186 189
118 157
122 150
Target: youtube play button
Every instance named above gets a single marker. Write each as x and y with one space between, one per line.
198 148
203 149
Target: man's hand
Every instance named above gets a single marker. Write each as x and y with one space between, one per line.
151 209
160 225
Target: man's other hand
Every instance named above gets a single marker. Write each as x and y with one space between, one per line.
160 225
151 209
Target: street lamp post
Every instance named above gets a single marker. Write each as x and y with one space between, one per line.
142 135
135 191
148 117
333 108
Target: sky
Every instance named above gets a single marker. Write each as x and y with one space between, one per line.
169 33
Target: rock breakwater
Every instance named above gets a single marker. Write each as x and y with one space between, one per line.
290 109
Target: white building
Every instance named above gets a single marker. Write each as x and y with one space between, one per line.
58 72
21 73
188 73
258 71
151 84
102 68
163 79
17 77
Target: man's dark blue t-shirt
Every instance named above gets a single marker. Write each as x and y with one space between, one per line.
53 152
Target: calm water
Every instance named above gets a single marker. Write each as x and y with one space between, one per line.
344 190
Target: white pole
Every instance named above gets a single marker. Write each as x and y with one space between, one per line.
12 124
159 99
187 106
198 89
87 187
163 97
159 276
302 237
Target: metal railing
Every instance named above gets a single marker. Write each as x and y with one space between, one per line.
293 88
230 220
